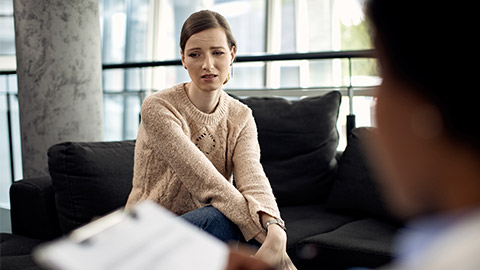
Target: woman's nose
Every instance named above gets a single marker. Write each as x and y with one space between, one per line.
207 63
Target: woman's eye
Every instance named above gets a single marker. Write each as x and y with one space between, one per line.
218 53
193 55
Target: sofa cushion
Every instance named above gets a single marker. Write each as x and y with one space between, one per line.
15 245
304 221
298 141
16 262
355 189
90 179
362 243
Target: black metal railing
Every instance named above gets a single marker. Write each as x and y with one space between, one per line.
257 58
346 90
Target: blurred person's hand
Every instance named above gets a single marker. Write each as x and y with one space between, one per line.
242 260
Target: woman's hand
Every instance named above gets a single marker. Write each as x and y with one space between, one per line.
274 249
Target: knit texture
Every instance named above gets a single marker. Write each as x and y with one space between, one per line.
185 159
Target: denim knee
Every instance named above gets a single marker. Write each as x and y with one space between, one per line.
215 223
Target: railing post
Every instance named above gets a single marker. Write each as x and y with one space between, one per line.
350 117
10 136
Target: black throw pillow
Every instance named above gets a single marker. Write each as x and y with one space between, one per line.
90 179
355 190
298 141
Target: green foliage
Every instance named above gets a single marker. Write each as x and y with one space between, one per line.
357 37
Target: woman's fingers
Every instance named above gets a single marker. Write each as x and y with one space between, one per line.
269 255
288 263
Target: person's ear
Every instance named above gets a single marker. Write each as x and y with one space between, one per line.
183 59
233 52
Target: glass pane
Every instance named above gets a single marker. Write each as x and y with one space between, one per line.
6 7
247 21
113 80
247 75
365 72
135 79
289 76
12 83
16 136
3 83
349 20
319 22
5 172
320 73
7 36
136 36
114 24
113 117
288 26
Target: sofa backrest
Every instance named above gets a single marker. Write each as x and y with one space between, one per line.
298 142
90 179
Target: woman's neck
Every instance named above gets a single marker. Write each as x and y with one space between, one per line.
203 100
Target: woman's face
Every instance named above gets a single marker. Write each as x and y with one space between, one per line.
207 58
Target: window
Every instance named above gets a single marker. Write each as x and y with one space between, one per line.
150 31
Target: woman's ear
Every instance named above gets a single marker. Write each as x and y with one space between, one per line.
183 59
233 52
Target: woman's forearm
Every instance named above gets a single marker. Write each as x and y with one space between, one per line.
274 230
264 218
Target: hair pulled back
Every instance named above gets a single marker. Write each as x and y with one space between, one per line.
203 20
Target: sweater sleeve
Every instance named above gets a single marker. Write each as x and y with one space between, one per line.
193 168
249 175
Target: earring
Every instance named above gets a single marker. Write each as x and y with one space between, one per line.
231 70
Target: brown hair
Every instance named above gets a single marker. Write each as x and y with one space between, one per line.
203 20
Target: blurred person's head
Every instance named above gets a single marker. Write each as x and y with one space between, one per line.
208 49
429 133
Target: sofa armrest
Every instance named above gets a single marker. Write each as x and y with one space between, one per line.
33 211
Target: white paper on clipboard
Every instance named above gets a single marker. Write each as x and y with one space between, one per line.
145 237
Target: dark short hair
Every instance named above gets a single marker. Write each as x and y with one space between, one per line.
203 20
431 46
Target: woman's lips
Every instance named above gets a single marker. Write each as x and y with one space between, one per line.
209 77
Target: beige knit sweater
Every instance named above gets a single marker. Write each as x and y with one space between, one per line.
184 159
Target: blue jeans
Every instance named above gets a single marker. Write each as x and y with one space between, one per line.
212 221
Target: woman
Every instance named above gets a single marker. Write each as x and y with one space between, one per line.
193 137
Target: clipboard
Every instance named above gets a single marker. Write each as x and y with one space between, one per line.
144 237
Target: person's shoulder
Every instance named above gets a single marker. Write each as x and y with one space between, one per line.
237 109
167 95
163 101
445 254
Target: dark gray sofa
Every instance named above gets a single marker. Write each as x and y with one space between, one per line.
335 217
